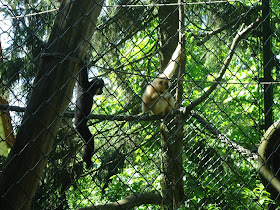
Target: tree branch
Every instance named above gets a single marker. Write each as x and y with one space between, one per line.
70 114
120 42
208 35
240 34
209 127
148 54
129 202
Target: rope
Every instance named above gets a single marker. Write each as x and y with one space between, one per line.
125 6
63 57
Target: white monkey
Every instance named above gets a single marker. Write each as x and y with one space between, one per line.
157 99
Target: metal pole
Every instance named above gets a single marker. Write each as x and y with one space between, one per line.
267 65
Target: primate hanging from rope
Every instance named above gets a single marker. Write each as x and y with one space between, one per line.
85 92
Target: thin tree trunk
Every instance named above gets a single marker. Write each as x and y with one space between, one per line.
171 134
168 31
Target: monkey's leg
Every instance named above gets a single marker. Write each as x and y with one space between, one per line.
84 131
159 107
88 152
171 105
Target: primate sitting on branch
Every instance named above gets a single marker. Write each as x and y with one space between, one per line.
157 99
85 92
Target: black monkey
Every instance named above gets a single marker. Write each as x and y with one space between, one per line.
85 92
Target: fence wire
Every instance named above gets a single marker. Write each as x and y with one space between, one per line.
75 78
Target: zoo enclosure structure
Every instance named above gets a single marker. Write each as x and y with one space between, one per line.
203 154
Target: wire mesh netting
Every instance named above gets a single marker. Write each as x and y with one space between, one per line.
139 104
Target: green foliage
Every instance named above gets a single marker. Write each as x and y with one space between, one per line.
26 39
258 194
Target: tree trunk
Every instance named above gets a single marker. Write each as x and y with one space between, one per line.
172 146
168 28
52 92
171 131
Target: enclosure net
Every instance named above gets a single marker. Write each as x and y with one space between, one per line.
64 145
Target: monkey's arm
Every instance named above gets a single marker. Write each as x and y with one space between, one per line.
155 95
148 98
145 101
83 80
167 95
173 63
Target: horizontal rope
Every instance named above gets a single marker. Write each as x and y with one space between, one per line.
70 114
140 5
178 4
144 117
63 57
28 15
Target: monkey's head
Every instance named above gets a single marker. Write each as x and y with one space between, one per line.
95 86
161 85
